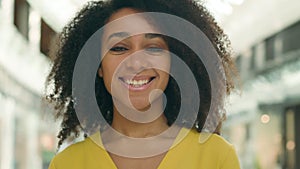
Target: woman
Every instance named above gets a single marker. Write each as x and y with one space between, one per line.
153 110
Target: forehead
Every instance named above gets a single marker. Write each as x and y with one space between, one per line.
129 20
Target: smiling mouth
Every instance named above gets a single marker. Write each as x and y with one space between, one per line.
136 82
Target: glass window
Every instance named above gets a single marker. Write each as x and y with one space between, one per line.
47 36
21 17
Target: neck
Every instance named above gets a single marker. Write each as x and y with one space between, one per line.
137 129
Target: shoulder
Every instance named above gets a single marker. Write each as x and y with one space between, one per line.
215 148
76 147
74 155
212 142
207 139
209 143
202 150
207 150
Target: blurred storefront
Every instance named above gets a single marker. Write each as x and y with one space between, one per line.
264 119
27 141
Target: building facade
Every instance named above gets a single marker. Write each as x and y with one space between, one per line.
26 141
264 119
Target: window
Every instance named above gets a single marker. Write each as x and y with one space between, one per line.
21 17
253 58
47 36
291 38
270 53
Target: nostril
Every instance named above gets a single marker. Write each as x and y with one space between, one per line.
137 63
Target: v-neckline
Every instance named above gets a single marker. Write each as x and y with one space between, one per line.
181 134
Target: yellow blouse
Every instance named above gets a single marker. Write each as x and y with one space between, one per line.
214 153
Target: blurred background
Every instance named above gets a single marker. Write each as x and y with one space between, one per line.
263 118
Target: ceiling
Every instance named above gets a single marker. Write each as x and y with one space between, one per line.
245 21
254 20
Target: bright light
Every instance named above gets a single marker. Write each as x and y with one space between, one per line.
290 145
265 118
47 142
219 7
235 2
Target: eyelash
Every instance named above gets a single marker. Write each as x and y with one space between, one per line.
118 49
121 49
154 49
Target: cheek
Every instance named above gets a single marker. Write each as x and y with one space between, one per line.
165 78
109 68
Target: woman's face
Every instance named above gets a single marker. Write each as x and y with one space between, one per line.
134 66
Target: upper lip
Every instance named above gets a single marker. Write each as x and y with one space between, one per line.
136 78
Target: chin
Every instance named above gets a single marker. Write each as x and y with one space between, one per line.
141 106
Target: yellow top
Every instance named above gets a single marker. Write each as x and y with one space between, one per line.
214 153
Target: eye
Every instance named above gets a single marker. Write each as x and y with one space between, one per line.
118 49
154 50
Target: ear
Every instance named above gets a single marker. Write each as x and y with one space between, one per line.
100 72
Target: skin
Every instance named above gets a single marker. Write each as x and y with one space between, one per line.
93 16
138 57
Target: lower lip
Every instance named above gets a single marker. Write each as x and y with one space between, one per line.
141 88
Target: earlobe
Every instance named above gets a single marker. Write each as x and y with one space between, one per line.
100 73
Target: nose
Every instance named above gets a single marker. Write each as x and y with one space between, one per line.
137 61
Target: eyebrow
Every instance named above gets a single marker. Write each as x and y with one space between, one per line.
126 34
118 35
152 35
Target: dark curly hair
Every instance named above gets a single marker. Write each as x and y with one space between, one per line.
94 16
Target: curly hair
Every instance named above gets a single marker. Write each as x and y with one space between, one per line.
95 15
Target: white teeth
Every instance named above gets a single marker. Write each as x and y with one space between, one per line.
136 82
